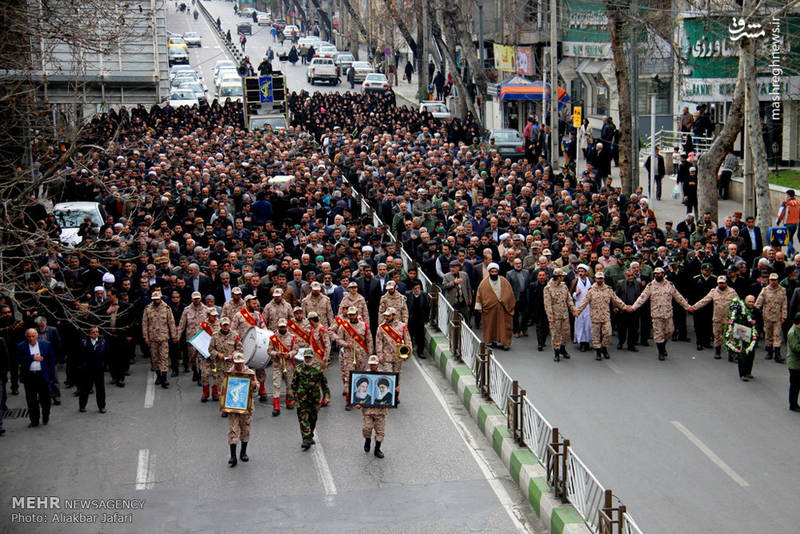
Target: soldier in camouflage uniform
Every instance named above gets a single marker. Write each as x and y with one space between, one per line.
317 302
282 350
558 305
277 309
239 423
353 356
158 327
373 417
193 314
354 298
390 335
232 307
309 388
303 326
209 366
660 293
721 296
772 301
393 299
599 299
223 344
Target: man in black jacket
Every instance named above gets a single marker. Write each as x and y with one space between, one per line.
537 308
370 289
91 367
628 290
418 309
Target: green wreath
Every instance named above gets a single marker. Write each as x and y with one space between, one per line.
739 316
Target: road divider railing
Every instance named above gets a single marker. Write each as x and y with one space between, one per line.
568 476
232 49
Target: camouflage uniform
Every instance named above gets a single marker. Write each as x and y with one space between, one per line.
722 302
558 305
349 347
209 366
309 386
386 348
282 368
304 325
396 301
239 423
357 302
660 295
240 325
322 338
274 312
223 346
599 298
158 327
189 325
231 308
772 301
320 304
374 418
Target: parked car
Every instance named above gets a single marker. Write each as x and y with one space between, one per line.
192 39
184 76
437 108
508 143
375 82
227 76
322 68
244 28
230 89
182 97
173 71
362 68
327 51
177 42
247 12
177 55
287 31
263 19
197 88
71 215
222 63
343 60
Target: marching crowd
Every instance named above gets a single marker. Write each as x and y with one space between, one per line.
213 228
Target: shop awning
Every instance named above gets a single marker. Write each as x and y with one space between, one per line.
519 88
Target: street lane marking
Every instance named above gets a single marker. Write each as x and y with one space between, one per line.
613 367
144 473
150 391
711 456
483 463
323 470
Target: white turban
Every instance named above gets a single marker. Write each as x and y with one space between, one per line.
493 265
583 266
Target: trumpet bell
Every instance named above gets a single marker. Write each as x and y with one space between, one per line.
403 352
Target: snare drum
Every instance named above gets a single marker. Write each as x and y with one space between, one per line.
255 345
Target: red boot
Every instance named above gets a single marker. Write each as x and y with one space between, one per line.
276 406
289 402
347 405
214 392
262 393
204 398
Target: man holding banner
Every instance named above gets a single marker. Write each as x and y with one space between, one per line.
208 365
355 338
282 349
193 315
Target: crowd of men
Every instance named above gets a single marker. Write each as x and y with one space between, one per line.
205 231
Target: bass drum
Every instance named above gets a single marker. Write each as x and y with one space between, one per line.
255 346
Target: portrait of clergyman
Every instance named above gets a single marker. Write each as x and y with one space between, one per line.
373 389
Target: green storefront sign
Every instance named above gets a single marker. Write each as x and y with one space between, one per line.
585 22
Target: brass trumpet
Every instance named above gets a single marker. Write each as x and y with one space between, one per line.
403 351
354 354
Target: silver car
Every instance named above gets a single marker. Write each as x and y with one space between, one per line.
508 143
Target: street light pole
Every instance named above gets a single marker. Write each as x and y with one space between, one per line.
553 82
653 162
482 55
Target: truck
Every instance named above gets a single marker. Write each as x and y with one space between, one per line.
322 68
265 102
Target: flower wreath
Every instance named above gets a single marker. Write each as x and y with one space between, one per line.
739 314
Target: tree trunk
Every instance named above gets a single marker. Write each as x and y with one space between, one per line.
326 25
422 46
626 158
463 24
755 141
709 163
401 25
357 19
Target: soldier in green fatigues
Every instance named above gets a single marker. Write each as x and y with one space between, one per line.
309 387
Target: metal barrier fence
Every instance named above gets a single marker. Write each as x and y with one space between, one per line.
232 49
571 480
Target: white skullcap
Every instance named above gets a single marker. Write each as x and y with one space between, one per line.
108 278
99 288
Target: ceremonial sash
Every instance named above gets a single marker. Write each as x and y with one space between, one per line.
280 345
207 327
318 349
348 327
296 330
252 321
392 333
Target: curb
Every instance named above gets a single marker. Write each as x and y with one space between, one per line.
523 466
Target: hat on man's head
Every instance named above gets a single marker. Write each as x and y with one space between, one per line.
722 279
225 320
236 290
196 295
277 292
156 295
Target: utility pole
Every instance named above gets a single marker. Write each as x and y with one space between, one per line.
482 54
553 82
653 162
635 95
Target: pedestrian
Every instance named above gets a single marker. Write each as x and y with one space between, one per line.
351 76
536 308
583 323
438 82
282 350
51 335
418 310
657 174
409 71
91 369
558 305
519 279
355 339
242 41
660 292
158 327
599 298
373 417
628 290
239 423
721 296
772 302
274 33
701 285
495 301
793 363
457 289
431 69
209 375
228 36
790 213
310 389
249 317
394 299
265 67
4 363
37 363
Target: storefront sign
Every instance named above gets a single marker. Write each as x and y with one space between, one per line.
588 50
504 58
524 60
577 117
721 89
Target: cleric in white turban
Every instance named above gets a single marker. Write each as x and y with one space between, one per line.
495 300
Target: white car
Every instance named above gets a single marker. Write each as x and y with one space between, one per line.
287 31
182 97
375 82
222 63
362 68
175 69
227 76
184 77
322 68
247 12
436 108
192 39
327 51
71 215
263 19
197 88
232 90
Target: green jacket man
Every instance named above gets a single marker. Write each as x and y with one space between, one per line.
309 387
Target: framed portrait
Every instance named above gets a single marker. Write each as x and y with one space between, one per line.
742 332
374 390
236 397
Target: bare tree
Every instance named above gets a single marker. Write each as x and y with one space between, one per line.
619 31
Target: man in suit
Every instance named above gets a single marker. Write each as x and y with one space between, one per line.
196 281
754 242
457 289
687 226
51 335
91 367
418 309
38 368
223 292
370 289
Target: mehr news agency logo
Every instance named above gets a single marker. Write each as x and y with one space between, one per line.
29 509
